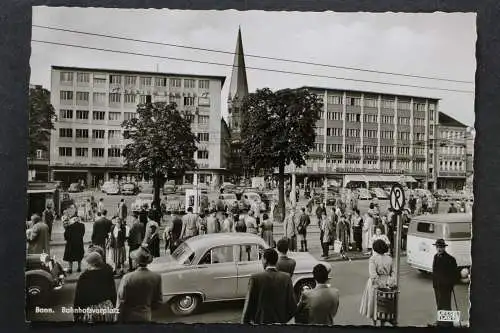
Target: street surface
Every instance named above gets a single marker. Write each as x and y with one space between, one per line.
417 304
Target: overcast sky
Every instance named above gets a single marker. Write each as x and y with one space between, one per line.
439 45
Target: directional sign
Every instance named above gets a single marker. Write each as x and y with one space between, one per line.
397 198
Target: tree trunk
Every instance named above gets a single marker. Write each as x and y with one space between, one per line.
281 192
157 187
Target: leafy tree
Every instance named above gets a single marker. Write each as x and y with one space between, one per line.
41 116
277 129
161 143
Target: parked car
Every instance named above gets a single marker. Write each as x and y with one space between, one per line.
145 187
128 189
169 189
268 198
74 188
182 188
380 194
228 187
42 279
113 189
106 186
228 198
364 194
251 198
142 198
217 267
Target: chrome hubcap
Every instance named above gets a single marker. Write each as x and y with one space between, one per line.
186 302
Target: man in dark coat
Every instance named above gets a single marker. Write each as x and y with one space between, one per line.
445 275
304 222
139 291
270 298
48 217
135 237
100 231
319 305
284 264
73 250
174 232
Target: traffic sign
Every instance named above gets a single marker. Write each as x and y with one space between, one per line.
397 198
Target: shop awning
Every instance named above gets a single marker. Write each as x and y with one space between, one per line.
354 178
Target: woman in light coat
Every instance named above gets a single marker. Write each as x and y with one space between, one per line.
367 232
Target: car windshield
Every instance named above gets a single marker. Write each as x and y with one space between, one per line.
229 196
183 254
145 197
131 186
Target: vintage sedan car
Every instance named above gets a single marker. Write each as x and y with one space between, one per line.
228 199
217 267
252 198
129 189
364 194
43 276
142 199
380 194
113 189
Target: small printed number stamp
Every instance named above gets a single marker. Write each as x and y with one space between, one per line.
453 316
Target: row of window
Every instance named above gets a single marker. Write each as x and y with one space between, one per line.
372 118
66 114
112 134
367 164
373 102
450 135
352 148
131 80
452 150
451 166
99 98
112 152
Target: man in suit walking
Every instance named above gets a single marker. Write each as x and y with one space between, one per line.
319 305
139 292
100 231
270 298
284 264
445 275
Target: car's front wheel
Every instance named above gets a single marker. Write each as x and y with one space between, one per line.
185 305
302 286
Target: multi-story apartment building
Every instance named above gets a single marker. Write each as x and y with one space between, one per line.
366 137
91 105
452 153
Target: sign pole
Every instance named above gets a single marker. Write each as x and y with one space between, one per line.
397 201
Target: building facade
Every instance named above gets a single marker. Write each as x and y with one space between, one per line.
452 153
365 137
91 105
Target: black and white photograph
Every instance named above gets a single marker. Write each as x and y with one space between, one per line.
250 167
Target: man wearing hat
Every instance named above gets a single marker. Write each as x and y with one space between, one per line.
139 292
445 275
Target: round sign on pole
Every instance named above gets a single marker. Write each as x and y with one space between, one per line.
397 198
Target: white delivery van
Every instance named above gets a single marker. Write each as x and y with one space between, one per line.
424 230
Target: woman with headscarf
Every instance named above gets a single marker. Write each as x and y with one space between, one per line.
118 237
73 250
95 289
381 275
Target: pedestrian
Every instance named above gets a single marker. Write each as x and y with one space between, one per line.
139 291
100 231
304 222
213 225
202 227
136 236
38 236
381 275
326 234
155 213
251 223
190 224
93 209
117 245
285 263
319 305
343 232
270 298
153 241
290 230
48 217
73 249
122 210
101 251
95 291
445 275
240 225
227 223
425 203
452 209
267 229
368 224
143 214
391 229
100 206
149 230
319 212
357 226
380 235
174 233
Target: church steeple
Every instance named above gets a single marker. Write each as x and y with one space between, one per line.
239 86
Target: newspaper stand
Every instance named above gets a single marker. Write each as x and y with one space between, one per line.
387 304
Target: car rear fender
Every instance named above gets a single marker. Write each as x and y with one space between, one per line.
40 273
